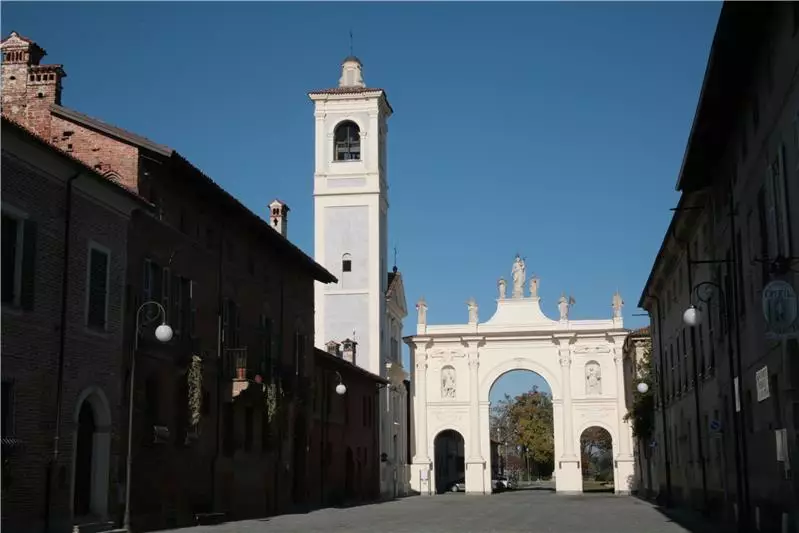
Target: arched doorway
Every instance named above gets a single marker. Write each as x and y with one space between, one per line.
521 432
596 460
449 461
91 455
83 461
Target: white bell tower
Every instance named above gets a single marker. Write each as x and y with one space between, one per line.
350 214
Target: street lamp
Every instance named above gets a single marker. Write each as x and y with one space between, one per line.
692 316
164 334
341 388
643 388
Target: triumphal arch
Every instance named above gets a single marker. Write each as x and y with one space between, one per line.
455 365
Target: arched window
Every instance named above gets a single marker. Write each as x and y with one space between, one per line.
347 142
346 263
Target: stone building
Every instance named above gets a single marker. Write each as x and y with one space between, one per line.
65 233
729 383
239 297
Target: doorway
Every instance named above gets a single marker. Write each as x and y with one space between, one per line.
450 465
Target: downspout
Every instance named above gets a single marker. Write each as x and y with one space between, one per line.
662 387
279 463
61 352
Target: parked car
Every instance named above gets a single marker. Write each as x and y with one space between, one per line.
458 486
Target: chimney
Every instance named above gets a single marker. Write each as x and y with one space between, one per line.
332 348
28 86
278 217
348 350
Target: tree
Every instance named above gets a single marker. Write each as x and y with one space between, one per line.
530 415
642 414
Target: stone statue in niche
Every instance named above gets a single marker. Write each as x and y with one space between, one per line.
518 277
447 382
502 286
421 309
534 287
472 305
593 378
617 304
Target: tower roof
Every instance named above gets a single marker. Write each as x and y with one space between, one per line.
351 59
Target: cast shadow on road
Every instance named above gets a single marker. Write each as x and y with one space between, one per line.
300 510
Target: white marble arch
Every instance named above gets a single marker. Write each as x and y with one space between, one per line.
101 451
519 336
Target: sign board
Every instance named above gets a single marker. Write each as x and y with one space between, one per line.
715 426
737 396
781 310
423 475
761 381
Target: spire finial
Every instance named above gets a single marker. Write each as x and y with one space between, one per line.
351 42
395 258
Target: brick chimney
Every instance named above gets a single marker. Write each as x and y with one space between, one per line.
332 348
348 348
29 88
278 217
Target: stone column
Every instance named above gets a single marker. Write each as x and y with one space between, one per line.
420 389
564 356
621 402
474 408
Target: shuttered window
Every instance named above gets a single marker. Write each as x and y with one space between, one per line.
97 298
18 260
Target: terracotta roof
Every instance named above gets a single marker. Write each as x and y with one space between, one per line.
342 363
108 129
348 90
41 140
640 332
320 273
23 38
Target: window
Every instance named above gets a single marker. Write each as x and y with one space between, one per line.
166 284
346 263
193 298
152 280
7 406
230 324
266 346
98 273
176 321
347 142
19 256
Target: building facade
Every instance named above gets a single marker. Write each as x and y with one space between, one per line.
727 370
455 366
367 304
65 233
240 300
345 454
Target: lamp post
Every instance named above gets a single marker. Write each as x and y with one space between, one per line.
341 388
692 317
164 334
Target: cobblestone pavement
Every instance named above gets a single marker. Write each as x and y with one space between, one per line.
510 512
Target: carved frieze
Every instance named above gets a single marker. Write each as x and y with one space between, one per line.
591 349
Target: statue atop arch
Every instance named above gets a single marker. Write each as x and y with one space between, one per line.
421 308
519 276
617 305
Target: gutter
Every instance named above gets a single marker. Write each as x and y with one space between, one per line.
61 352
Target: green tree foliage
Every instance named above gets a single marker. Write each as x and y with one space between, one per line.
596 452
642 414
525 424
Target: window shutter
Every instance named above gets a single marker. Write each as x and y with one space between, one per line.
165 294
98 288
27 286
147 281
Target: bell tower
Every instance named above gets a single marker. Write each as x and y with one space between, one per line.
350 214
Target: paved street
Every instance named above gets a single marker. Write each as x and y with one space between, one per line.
511 512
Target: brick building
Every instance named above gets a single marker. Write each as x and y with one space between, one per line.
239 297
65 232
729 385
344 452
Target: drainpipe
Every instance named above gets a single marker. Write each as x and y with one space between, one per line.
279 463
61 353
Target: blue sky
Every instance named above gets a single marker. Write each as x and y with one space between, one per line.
555 130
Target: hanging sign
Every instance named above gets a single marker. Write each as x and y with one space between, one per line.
781 310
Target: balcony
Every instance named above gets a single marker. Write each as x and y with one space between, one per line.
234 368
